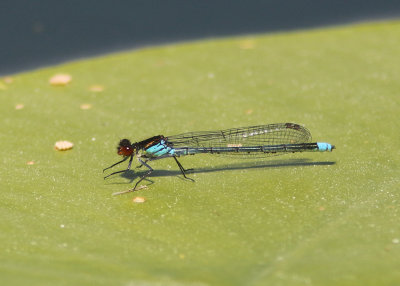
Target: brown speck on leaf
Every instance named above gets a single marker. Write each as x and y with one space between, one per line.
8 80
60 79
96 88
63 145
139 200
19 106
86 106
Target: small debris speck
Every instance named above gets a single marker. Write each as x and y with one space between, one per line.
30 163
131 190
8 80
62 226
19 106
63 145
395 240
234 145
139 200
96 88
60 79
86 106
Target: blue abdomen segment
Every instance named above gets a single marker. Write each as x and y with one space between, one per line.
322 147
159 149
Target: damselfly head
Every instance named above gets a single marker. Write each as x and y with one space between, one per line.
125 148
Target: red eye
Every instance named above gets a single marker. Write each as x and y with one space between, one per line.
125 151
125 148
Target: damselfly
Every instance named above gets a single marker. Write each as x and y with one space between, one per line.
271 139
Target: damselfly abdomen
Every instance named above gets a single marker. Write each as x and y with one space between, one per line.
271 139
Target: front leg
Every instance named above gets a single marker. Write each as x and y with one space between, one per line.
122 171
141 179
123 160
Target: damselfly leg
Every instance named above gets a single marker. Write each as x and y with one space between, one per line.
143 163
183 170
144 176
122 171
119 162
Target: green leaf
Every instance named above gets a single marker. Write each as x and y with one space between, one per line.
298 219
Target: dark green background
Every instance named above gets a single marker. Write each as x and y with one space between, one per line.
42 33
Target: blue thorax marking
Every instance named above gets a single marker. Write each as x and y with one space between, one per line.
159 149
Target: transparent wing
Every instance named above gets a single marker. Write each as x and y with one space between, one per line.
261 135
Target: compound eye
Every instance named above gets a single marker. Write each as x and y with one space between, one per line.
125 148
125 151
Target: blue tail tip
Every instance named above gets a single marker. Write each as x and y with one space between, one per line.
325 147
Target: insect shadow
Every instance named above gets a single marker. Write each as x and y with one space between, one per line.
248 165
